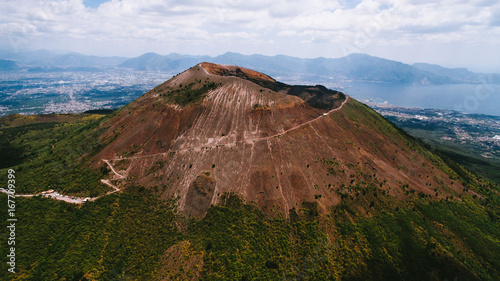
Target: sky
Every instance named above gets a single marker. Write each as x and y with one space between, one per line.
451 33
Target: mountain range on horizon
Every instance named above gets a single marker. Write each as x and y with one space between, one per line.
353 67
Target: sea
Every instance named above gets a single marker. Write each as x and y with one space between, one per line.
467 98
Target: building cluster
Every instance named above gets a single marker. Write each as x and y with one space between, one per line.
479 132
30 93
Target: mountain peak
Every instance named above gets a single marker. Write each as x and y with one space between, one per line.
236 71
149 56
216 129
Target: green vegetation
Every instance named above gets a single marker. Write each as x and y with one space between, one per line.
48 155
258 107
126 236
464 154
189 94
429 242
14 150
118 237
359 114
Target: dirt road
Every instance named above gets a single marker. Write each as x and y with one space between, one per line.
80 200
197 148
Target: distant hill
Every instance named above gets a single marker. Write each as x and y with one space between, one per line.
79 60
359 67
43 60
367 68
458 74
8 65
145 62
354 67
155 62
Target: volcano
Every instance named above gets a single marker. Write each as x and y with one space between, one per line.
217 129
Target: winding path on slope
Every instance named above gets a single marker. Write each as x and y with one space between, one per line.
113 169
197 148
72 199
79 200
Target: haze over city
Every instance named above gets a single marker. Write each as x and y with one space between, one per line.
450 33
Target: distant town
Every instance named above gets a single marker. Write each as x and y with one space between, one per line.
73 92
480 133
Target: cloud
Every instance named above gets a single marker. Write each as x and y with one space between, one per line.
198 26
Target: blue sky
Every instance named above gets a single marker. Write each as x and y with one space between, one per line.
93 3
452 33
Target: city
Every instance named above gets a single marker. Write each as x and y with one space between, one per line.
72 92
478 132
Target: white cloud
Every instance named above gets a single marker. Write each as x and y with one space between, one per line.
207 26
287 33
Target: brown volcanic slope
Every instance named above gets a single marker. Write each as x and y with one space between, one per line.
215 128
